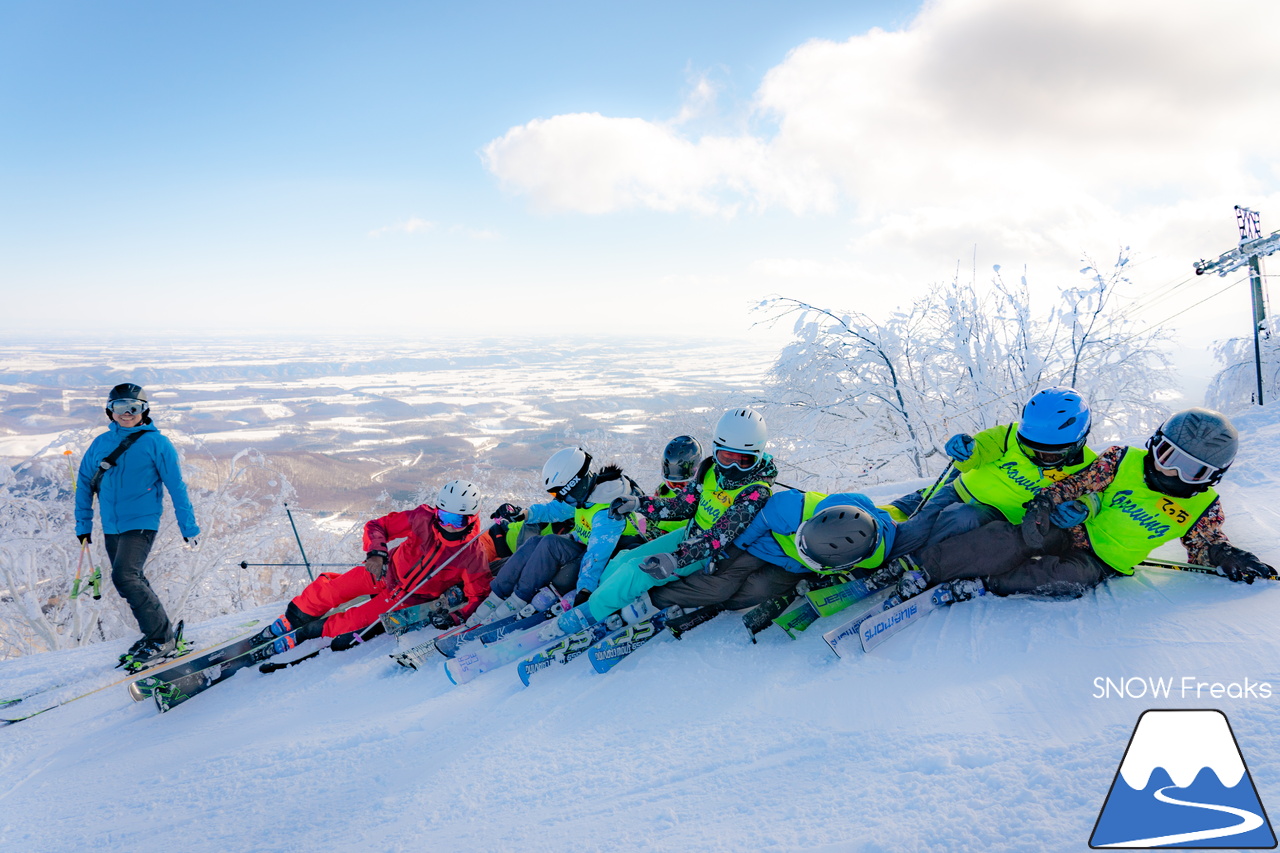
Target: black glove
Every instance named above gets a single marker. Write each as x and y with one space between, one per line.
1238 564
444 620
622 507
582 597
509 512
342 642
84 538
1037 523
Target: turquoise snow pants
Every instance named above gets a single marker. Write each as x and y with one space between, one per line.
622 582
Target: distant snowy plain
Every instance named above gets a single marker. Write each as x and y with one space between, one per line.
980 729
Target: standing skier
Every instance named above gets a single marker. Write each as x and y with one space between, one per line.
1003 467
571 563
125 467
408 574
717 506
1104 520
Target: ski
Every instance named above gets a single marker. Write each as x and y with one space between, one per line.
406 619
168 670
170 694
832 599
7 703
691 619
478 658
884 625
841 638
909 612
416 657
798 616
609 651
564 650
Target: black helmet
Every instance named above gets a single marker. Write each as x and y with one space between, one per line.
129 391
1193 448
836 538
681 458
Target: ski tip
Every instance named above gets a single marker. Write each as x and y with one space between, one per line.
449 672
524 676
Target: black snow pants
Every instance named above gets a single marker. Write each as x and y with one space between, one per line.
128 553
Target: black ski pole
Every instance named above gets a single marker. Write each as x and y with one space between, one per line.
305 561
244 564
932 489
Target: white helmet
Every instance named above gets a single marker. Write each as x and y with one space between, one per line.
459 496
741 429
565 466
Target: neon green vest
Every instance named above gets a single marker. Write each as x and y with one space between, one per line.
584 518
787 542
714 500
1134 519
1012 480
513 534
665 491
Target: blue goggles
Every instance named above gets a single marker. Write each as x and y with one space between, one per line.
451 519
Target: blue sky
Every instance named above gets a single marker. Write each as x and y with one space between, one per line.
314 167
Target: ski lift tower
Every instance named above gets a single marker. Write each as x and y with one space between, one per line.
1253 246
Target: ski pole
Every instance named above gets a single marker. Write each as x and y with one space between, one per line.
75 584
71 471
363 634
305 561
1179 566
932 489
244 564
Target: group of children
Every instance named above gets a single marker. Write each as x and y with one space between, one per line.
1024 507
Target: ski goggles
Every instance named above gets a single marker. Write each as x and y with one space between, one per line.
451 519
127 407
743 460
1048 456
676 485
1169 457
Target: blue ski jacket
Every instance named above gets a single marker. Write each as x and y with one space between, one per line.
129 493
782 514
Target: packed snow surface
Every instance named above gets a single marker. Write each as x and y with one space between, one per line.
986 727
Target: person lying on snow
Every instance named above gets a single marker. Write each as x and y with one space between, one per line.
570 564
411 573
1102 521
717 506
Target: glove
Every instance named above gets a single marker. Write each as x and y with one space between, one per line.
509 512
192 543
960 447
1069 514
620 508
85 538
1037 523
376 565
342 642
659 566
443 619
1238 564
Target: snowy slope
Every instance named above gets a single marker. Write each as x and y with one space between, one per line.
977 730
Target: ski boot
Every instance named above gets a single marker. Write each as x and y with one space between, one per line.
892 571
148 653
913 583
133 650
279 636
955 591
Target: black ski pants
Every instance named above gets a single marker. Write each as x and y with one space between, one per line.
740 580
128 554
996 553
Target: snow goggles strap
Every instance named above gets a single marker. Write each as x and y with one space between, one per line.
743 460
1190 470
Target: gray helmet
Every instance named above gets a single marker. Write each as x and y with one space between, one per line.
1205 436
836 538
681 458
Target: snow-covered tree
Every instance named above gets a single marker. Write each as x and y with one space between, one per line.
877 399
1235 386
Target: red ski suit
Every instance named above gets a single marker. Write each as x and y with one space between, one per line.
423 550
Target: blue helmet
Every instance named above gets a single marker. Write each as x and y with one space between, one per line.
1055 423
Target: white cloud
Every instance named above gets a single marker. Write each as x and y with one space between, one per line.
412 225
1027 127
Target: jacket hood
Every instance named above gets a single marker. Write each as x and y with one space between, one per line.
610 483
